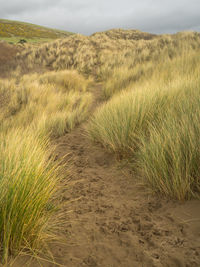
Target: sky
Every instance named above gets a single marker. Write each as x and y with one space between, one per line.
89 16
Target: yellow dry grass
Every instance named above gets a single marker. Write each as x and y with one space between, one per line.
34 108
53 102
151 116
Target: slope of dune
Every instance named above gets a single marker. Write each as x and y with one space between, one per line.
105 214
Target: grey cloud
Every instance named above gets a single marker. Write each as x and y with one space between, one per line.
17 7
88 16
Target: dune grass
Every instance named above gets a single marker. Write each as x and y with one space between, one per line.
168 157
151 85
120 123
155 125
34 109
83 53
27 183
66 80
61 99
116 57
159 57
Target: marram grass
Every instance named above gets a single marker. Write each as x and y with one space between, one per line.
157 127
33 108
155 123
120 123
61 99
168 158
27 183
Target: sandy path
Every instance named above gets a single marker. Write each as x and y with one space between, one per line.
113 221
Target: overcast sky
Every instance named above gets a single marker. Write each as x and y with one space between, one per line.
89 16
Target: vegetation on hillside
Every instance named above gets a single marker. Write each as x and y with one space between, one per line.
27 183
100 53
13 31
33 110
150 85
147 66
153 117
86 54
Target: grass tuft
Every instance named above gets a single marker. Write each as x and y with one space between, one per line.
27 183
156 126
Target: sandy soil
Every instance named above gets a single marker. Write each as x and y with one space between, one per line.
113 221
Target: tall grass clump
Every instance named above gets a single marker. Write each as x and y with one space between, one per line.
120 123
61 99
169 158
62 114
66 80
156 126
27 183
162 56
